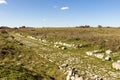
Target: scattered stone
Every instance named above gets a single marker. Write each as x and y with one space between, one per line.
89 53
79 46
18 63
96 77
100 56
97 51
63 66
108 58
116 65
56 46
108 51
64 44
30 37
64 48
73 75
50 60
44 40
40 39
20 56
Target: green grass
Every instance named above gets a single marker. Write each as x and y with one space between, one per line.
12 72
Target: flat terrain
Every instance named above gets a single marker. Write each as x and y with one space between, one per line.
38 53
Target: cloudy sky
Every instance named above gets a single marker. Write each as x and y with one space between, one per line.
52 13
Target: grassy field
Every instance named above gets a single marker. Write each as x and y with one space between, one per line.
37 53
104 37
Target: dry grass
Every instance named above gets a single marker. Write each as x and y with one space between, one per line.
108 38
44 59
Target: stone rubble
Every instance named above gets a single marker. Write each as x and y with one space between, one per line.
99 54
73 72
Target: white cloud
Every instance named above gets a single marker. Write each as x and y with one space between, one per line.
64 8
3 2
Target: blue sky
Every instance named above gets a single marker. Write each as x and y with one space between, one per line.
56 13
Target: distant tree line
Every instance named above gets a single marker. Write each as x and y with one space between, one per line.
25 27
88 26
4 27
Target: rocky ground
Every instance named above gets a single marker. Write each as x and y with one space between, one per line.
57 60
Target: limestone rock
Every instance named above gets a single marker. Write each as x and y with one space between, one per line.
116 65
